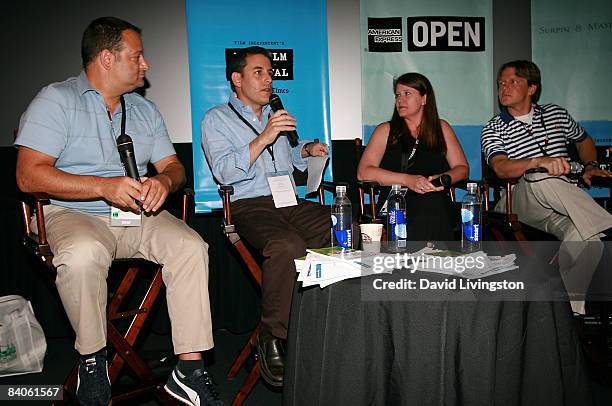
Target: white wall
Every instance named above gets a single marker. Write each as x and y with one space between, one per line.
41 44
344 68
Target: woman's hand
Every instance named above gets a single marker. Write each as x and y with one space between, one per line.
420 184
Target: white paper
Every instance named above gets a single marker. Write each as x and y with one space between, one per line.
282 191
316 164
325 266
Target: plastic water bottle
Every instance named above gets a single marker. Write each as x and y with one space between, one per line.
396 220
341 216
471 220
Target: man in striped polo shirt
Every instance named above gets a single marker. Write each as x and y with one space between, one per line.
527 136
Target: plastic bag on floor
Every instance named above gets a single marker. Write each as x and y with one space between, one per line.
22 340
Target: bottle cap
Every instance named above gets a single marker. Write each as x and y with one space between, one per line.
341 189
472 186
396 187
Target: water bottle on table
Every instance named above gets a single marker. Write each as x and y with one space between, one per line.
341 216
471 220
396 220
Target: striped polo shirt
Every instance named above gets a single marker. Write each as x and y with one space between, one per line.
551 129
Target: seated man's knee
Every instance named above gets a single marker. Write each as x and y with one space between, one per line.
83 256
291 246
186 240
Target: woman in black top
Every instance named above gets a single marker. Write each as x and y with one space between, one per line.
413 149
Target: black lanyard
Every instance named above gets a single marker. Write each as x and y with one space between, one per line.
122 100
268 148
529 129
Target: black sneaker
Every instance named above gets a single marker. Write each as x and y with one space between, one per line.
196 389
93 384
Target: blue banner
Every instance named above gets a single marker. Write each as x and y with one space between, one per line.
295 33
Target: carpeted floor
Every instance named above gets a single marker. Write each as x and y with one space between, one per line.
157 350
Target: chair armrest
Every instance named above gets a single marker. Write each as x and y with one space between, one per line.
33 198
331 185
35 201
367 184
226 191
188 196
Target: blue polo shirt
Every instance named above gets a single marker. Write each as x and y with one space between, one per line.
68 121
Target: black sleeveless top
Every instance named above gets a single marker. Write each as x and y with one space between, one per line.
431 216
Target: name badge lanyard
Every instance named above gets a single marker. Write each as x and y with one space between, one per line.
407 158
123 118
268 148
122 100
530 132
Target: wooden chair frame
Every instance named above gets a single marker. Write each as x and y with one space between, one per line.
121 342
229 229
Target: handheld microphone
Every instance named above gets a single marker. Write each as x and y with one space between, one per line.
126 153
277 104
444 180
576 169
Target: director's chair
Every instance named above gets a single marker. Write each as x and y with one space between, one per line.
254 269
121 336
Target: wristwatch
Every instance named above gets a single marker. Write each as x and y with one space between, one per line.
308 147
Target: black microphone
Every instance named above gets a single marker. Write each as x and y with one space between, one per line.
576 169
443 180
277 104
126 153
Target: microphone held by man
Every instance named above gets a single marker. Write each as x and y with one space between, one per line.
276 104
576 169
125 146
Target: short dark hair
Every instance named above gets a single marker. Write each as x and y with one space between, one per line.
526 70
103 33
237 60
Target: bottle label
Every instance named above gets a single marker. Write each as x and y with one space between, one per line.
397 223
471 230
343 237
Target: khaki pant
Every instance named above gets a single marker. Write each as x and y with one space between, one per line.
84 246
570 214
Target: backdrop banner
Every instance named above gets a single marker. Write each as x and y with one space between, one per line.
296 35
448 41
572 46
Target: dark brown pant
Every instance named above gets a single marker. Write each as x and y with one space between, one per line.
280 235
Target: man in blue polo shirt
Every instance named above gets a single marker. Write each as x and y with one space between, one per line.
67 149
526 136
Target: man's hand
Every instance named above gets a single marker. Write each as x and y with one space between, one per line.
121 191
555 166
279 121
591 171
315 149
154 192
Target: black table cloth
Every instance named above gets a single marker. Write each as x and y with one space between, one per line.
346 347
